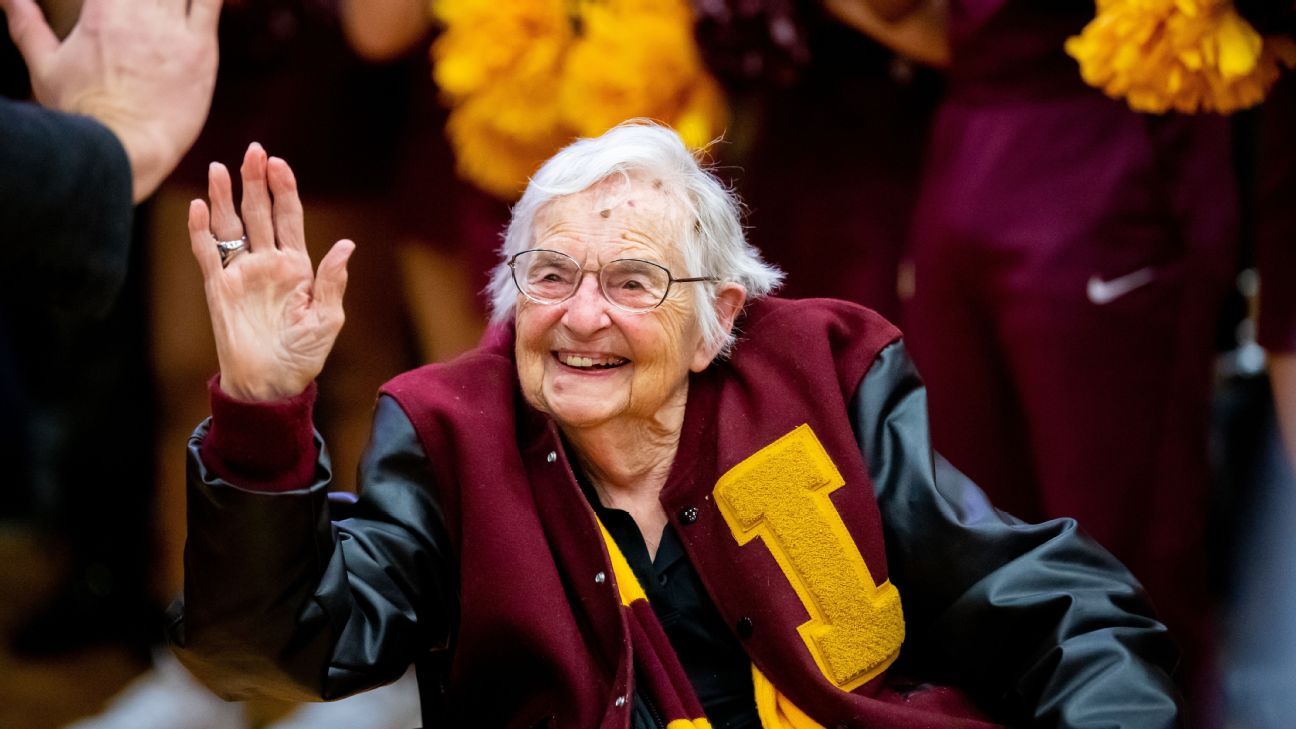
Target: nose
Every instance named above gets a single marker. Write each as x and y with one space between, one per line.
587 311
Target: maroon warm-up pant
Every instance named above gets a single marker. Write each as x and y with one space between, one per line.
1070 257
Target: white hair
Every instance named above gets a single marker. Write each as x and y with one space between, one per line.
713 243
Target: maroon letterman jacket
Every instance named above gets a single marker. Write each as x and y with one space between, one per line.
473 541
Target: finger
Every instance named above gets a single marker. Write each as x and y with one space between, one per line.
225 223
177 8
203 15
286 206
29 31
200 239
331 278
93 11
257 220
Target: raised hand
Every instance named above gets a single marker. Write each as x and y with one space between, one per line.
275 320
144 68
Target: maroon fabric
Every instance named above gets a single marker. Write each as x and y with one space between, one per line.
658 669
426 188
289 80
262 446
1276 217
1013 48
1054 404
829 166
538 619
534 617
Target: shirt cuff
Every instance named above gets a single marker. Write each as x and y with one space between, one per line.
261 446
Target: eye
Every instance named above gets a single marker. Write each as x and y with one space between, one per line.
549 267
630 279
550 275
635 284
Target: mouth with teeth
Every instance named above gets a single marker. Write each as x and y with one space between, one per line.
591 362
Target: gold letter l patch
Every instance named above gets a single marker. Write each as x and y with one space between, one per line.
780 494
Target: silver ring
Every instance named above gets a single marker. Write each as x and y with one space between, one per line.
230 248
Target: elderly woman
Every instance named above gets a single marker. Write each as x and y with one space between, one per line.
653 497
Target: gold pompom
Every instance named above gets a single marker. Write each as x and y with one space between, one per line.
1182 55
525 77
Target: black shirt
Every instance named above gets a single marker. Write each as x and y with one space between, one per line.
714 659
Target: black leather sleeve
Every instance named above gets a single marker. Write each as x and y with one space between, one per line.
281 601
1044 626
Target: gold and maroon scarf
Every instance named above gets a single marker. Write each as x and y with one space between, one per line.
662 678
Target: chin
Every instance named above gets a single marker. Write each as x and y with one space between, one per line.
580 414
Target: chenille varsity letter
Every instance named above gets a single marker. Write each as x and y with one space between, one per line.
780 494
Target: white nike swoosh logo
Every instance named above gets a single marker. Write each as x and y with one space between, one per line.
1104 292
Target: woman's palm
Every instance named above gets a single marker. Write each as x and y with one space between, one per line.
274 319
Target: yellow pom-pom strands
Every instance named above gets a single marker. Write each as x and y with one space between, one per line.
525 77
1179 55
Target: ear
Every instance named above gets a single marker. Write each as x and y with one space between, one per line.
729 301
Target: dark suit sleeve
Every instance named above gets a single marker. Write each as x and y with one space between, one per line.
1044 626
65 210
282 601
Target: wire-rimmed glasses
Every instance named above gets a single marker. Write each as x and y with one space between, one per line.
630 284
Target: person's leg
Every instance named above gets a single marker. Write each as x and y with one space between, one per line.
376 343
1116 399
976 417
184 358
441 301
1070 223
828 170
1108 320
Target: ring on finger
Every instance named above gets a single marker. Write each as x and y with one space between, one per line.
231 248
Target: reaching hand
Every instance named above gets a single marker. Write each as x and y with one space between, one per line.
275 320
144 68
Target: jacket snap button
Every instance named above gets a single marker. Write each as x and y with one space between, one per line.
620 701
744 627
553 456
689 515
600 578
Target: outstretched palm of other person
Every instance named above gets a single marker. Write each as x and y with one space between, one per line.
143 68
274 319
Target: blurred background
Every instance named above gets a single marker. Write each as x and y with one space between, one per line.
1088 288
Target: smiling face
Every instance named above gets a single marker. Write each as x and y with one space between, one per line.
584 361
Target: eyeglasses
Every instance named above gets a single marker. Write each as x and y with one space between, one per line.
629 284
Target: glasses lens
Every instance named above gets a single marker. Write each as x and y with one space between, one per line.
634 285
546 275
